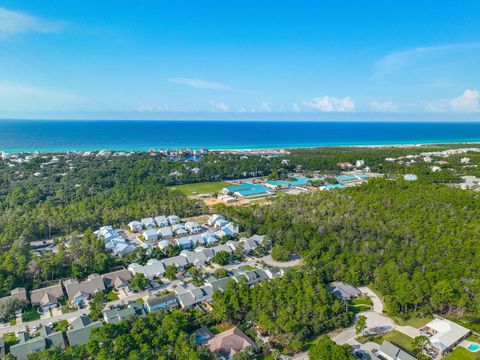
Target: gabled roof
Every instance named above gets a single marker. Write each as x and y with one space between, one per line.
94 283
153 301
152 268
447 333
117 278
229 342
46 296
178 261
80 331
342 290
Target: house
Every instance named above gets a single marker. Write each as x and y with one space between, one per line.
389 351
219 284
161 221
79 292
46 340
444 334
117 279
173 219
224 247
274 272
251 276
179 261
16 294
249 245
184 243
343 291
192 227
197 239
121 248
115 315
163 244
209 238
80 330
165 233
226 344
164 302
195 258
179 230
150 235
47 298
106 233
135 226
189 295
213 219
148 223
208 253
153 268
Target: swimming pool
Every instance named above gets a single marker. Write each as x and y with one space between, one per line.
473 347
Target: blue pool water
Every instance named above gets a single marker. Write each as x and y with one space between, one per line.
473 347
60 135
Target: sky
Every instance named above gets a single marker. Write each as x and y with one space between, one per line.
240 59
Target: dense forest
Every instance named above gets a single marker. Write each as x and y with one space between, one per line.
157 336
418 243
293 309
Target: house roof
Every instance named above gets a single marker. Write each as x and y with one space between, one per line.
178 261
395 352
165 231
343 291
42 342
447 333
229 342
94 283
153 267
158 300
117 278
114 316
81 331
46 296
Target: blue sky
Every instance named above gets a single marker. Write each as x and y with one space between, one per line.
239 59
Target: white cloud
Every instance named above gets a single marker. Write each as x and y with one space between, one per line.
14 22
383 106
265 107
331 104
468 102
219 106
295 108
200 84
404 58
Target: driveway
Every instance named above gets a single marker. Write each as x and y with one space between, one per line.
377 302
281 264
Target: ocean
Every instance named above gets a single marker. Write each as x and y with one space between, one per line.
58 136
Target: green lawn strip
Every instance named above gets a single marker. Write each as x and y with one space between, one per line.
9 340
416 322
202 188
399 339
362 300
460 353
217 329
111 296
30 314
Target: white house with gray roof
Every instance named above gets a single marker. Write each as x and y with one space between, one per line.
444 334
165 233
193 227
343 291
148 223
150 235
161 221
178 261
389 351
153 268
173 219
135 226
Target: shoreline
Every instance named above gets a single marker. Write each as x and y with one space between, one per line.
252 150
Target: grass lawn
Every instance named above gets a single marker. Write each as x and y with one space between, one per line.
416 322
13 322
362 300
248 267
202 188
461 353
399 339
9 339
111 296
30 315
217 329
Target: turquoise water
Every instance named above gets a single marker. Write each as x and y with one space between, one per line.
48 135
473 347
